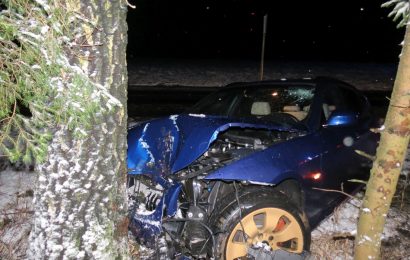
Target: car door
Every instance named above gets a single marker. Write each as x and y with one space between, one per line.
337 155
340 161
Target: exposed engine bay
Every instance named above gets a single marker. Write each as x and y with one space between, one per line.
232 145
190 230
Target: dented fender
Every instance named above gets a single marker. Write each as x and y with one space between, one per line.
273 165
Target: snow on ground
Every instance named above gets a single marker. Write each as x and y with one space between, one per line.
343 220
369 76
334 237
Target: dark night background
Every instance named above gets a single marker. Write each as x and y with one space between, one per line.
318 30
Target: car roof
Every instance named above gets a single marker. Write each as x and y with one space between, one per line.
287 82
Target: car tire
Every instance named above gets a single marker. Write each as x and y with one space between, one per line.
260 207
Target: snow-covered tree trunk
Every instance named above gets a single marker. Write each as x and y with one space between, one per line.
388 164
80 198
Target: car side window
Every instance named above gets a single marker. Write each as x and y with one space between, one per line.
332 100
342 99
352 101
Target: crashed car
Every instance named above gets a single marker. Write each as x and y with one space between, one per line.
250 169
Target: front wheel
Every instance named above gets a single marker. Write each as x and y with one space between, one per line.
267 220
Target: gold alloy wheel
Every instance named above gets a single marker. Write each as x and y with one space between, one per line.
271 228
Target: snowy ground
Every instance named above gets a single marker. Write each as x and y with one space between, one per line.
369 76
333 239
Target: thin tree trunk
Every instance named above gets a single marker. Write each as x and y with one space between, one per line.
388 164
80 199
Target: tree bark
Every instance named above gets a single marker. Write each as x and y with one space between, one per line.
80 196
388 164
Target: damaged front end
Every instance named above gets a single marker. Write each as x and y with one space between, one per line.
179 167
147 202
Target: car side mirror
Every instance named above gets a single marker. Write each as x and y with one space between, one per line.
342 118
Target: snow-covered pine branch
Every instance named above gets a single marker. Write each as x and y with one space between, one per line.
36 49
400 12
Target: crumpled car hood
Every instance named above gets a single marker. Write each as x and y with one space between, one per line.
167 145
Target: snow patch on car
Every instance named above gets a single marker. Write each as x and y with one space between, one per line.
174 118
145 145
197 115
261 183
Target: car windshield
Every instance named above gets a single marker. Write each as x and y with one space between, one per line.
268 102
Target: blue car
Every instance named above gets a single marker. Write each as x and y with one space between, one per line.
250 169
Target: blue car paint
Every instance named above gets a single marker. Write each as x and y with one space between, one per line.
273 164
152 147
171 199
